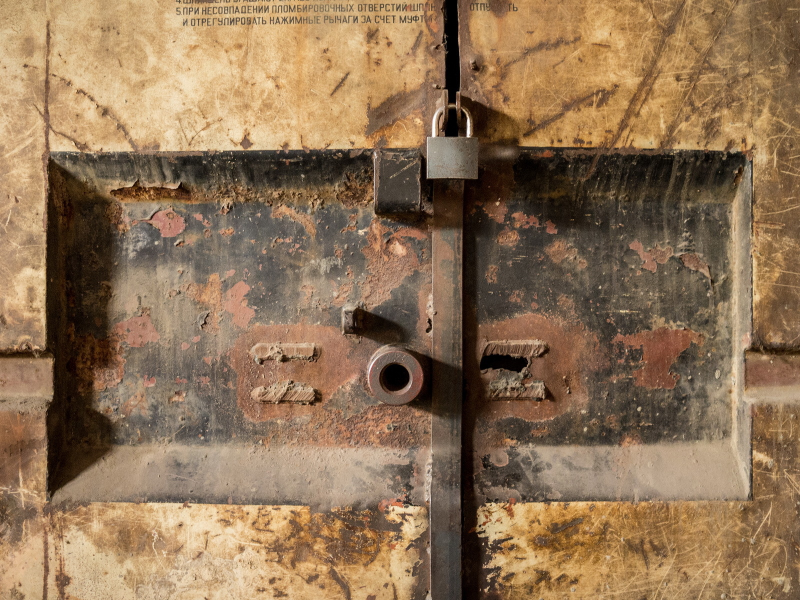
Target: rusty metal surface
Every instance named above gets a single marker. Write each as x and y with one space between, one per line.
23 460
626 272
178 268
712 74
733 550
23 113
448 390
179 77
396 376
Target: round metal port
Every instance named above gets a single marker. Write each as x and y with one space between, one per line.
395 376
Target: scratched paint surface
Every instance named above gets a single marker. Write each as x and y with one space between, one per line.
731 550
131 551
22 176
145 81
776 168
714 74
583 550
610 74
23 477
626 275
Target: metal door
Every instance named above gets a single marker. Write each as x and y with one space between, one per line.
217 220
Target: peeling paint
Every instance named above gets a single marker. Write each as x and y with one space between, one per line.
137 331
235 303
660 349
168 222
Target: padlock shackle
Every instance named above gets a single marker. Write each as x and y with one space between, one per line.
441 112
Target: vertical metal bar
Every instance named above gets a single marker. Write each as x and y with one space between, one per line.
445 499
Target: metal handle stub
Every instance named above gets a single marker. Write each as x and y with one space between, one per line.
451 157
395 376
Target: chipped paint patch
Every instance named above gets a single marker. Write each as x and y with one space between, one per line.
695 263
235 303
524 221
508 237
306 220
660 349
561 251
208 295
168 222
653 257
137 331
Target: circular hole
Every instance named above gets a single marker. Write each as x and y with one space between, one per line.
394 378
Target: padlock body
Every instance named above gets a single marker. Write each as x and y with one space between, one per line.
452 158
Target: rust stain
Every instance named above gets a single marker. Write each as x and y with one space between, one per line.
561 251
524 221
341 293
303 219
660 349
235 303
326 374
355 191
137 331
343 412
491 274
695 263
389 261
208 295
140 193
497 211
653 257
98 364
115 213
285 391
168 222
508 237
572 350
136 403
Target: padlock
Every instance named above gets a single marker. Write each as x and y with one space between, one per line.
452 157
